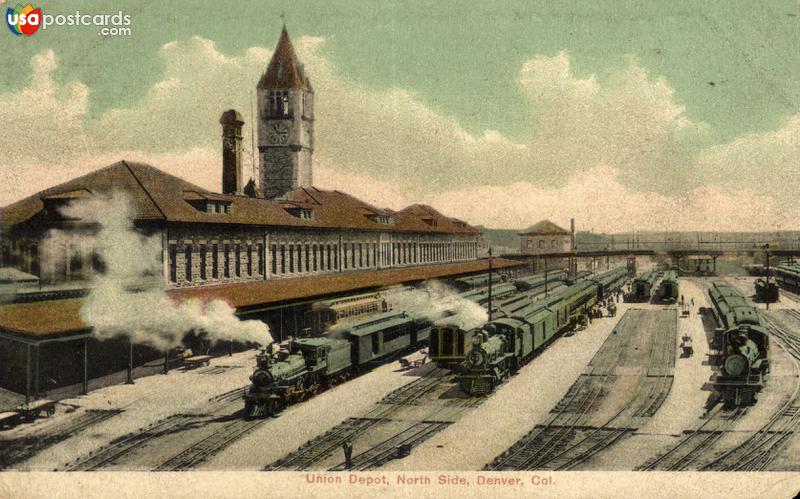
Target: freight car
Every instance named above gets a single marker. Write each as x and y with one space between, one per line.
327 313
609 282
481 295
308 365
668 289
642 287
502 345
579 276
788 275
537 281
478 281
743 341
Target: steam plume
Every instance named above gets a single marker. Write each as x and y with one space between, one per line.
114 308
436 298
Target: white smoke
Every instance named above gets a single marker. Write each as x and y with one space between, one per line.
435 298
129 298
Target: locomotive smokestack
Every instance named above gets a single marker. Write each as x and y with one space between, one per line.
231 122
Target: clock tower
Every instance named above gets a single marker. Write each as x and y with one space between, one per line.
285 123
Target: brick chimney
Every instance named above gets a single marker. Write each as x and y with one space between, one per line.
232 182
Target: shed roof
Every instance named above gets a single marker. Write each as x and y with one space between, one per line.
57 317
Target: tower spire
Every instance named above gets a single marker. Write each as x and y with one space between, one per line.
283 70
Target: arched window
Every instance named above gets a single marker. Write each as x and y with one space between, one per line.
285 106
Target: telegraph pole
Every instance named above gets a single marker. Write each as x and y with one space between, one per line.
490 283
766 290
545 277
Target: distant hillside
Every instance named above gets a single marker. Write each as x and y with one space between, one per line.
507 240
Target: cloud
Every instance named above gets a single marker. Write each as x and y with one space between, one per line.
612 152
702 208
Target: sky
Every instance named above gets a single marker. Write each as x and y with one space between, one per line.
624 115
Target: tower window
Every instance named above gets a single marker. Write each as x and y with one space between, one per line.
286 109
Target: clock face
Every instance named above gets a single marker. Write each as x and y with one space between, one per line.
278 133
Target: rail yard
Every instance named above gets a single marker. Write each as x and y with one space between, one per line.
645 377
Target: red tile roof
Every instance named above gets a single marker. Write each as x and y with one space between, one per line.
63 316
158 196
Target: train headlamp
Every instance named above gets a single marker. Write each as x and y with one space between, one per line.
735 365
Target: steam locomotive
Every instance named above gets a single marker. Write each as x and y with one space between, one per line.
308 365
484 356
743 340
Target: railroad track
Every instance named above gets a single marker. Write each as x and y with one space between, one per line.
322 447
696 442
198 452
791 295
758 451
563 446
230 396
17 450
112 453
388 449
218 369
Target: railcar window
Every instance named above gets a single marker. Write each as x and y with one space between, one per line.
375 344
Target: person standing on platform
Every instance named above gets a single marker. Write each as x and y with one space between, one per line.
347 447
